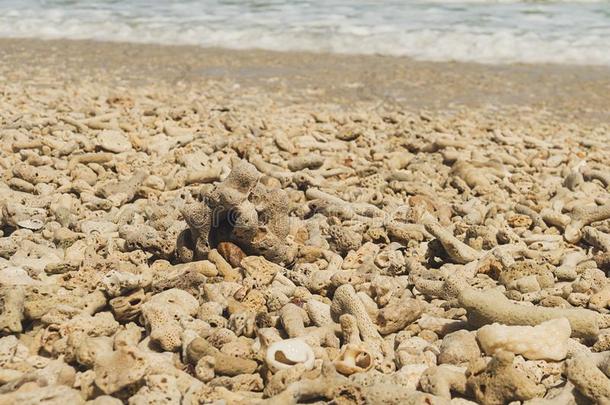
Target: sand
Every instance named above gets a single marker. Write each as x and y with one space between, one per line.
574 92
186 225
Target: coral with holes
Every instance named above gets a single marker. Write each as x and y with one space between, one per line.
242 210
160 247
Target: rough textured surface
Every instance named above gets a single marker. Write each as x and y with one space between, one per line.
546 341
167 236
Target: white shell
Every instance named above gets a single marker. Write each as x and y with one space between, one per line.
33 224
288 353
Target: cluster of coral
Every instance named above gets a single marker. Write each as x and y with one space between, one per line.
170 249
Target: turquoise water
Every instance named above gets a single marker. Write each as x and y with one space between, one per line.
481 31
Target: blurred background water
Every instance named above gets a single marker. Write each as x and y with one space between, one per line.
572 32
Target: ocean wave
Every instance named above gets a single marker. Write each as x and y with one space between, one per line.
486 31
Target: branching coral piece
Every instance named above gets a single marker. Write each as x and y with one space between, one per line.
163 314
457 250
487 307
583 216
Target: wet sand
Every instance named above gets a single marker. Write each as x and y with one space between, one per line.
572 92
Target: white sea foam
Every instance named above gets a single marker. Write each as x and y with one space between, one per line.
488 31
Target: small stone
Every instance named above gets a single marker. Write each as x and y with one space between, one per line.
458 347
231 253
113 141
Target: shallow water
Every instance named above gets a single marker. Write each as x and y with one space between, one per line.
480 31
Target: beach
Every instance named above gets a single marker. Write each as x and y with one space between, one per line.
202 225
577 93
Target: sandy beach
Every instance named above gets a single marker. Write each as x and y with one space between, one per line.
182 225
577 93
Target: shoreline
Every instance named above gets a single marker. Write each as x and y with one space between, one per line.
569 91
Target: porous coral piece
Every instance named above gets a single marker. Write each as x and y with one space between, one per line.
283 378
244 211
261 270
53 373
185 276
416 350
343 239
199 218
100 324
582 216
500 382
23 216
329 385
319 312
588 379
345 301
204 369
147 238
386 389
89 349
542 273
487 307
117 283
349 329
293 320
159 389
118 369
364 255
224 364
50 395
596 238
457 250
129 306
458 347
12 302
121 192
398 314
34 174
546 341
163 314
443 380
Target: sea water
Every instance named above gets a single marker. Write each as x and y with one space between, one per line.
501 31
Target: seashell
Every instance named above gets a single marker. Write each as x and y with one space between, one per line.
354 358
288 353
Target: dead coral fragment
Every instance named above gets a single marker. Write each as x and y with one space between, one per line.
244 211
12 301
583 216
546 341
493 307
163 314
500 382
588 379
118 369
